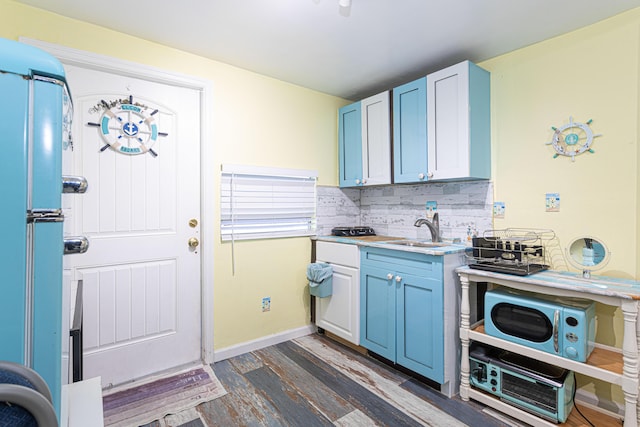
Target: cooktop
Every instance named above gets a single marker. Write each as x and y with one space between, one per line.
353 231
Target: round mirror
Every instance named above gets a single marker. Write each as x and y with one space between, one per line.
588 254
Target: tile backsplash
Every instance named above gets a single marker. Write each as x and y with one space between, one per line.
464 208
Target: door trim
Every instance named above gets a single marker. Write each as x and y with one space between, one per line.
122 67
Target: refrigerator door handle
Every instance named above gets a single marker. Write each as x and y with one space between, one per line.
74 184
75 245
45 215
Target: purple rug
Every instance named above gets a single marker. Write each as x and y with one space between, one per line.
154 400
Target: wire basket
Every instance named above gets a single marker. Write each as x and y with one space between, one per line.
519 251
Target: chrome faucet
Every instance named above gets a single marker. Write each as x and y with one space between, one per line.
434 226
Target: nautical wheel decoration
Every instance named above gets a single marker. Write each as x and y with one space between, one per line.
127 127
572 139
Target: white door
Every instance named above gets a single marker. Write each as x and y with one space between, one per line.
137 143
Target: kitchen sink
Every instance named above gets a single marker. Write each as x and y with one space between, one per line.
418 243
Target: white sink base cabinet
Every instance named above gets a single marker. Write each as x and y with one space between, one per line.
624 294
340 312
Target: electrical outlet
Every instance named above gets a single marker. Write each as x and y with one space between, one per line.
266 304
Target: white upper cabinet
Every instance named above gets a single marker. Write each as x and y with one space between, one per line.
458 123
376 139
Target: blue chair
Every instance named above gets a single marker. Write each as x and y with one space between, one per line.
25 399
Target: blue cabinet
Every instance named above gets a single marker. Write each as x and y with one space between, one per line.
364 142
410 132
442 126
441 131
401 309
378 309
350 144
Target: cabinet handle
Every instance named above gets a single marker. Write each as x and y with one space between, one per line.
430 175
420 176
364 181
357 181
389 276
398 279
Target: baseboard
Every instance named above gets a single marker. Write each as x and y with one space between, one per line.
249 346
594 402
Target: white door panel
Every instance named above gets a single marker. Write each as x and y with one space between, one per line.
141 280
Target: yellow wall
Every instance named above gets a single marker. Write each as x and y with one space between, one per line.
257 121
591 73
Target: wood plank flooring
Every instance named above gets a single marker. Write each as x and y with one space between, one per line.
315 381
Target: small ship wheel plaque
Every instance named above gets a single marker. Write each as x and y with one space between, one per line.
127 127
572 139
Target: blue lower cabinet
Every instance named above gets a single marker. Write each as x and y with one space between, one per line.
378 311
419 327
401 309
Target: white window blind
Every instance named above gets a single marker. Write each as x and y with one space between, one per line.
261 203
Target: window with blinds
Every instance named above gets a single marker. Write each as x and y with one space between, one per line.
262 203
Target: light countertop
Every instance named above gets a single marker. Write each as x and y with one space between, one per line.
387 242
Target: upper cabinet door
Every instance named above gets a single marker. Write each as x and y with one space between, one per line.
376 140
410 132
364 142
350 145
458 118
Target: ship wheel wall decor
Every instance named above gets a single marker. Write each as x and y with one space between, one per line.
572 139
127 128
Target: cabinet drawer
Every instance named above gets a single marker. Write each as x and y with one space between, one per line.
429 266
338 253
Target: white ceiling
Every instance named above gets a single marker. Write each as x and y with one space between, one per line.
348 52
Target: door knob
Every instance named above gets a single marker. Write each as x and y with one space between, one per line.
193 242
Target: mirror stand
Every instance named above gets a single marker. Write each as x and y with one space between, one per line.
588 254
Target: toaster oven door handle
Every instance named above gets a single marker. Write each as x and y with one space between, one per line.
556 321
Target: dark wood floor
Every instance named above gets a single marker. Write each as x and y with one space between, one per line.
315 381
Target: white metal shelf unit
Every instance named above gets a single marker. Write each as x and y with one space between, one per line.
613 292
